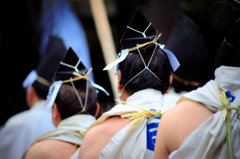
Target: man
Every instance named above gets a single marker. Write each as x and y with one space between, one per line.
74 107
205 122
128 130
22 129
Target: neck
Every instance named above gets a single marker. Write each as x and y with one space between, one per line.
124 95
33 102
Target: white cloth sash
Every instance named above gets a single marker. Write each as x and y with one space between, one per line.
68 129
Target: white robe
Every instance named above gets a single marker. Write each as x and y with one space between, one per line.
22 129
208 140
139 142
68 129
172 97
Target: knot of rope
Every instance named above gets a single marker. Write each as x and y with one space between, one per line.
81 132
137 117
78 76
154 41
227 118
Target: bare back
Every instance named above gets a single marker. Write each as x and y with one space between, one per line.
53 149
99 136
177 124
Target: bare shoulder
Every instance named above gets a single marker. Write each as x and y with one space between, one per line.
188 114
98 136
37 151
177 124
50 149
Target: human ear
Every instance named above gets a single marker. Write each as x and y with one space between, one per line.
170 82
30 96
97 110
56 116
119 86
170 79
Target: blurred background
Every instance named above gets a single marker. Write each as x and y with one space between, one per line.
26 24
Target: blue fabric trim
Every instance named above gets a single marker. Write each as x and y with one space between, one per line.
151 135
231 97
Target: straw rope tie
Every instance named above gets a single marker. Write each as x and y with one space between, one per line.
154 41
227 118
138 117
79 76
81 132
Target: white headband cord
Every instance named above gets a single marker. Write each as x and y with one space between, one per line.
143 33
70 66
79 76
146 67
79 98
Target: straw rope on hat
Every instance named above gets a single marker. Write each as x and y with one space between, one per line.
71 70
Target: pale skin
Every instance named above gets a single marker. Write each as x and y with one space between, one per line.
99 136
177 124
53 149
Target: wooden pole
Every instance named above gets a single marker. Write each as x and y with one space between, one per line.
105 37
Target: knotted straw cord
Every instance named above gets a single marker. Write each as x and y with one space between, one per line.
79 76
80 132
154 41
139 116
227 117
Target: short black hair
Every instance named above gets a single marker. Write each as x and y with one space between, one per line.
133 64
68 103
40 89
